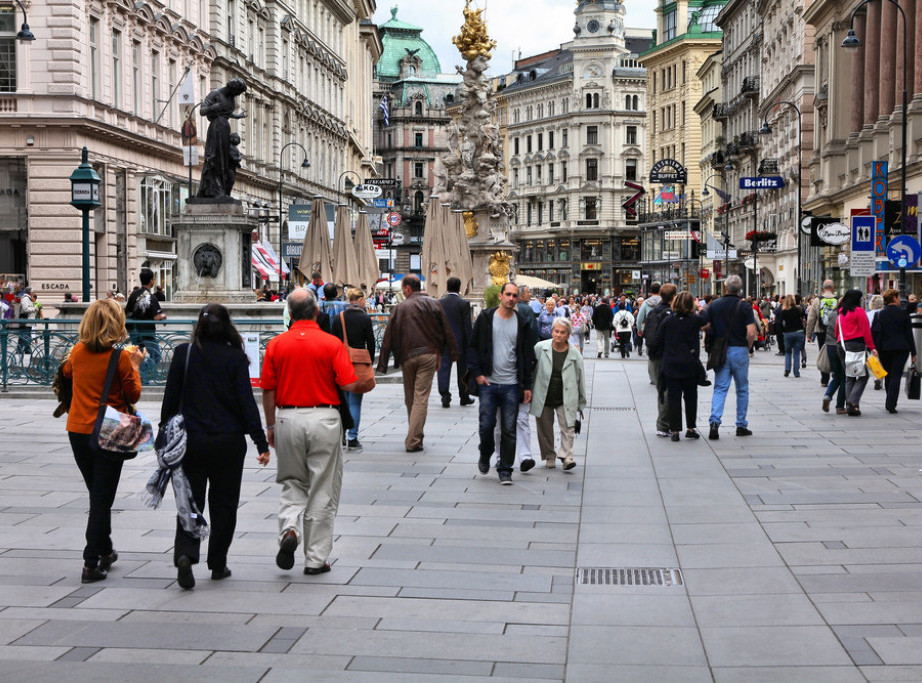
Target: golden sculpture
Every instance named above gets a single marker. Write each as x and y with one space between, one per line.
499 267
470 223
473 40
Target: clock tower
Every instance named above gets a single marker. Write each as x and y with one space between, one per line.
599 19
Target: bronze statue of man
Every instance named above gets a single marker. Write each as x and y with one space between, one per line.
219 168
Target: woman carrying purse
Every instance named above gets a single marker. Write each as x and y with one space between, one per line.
102 327
360 332
853 334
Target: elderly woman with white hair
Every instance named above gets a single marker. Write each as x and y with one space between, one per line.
559 389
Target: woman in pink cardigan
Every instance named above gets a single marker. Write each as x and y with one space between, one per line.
853 333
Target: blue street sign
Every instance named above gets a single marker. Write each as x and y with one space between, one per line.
768 182
903 251
863 233
383 203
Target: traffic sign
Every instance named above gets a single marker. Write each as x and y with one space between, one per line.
384 203
863 233
904 251
393 219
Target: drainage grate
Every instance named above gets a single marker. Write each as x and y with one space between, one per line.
663 577
621 409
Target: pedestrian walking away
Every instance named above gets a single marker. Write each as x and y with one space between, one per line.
652 324
816 329
218 410
559 391
418 334
892 333
623 324
102 327
602 319
458 312
501 360
732 319
791 321
303 371
361 335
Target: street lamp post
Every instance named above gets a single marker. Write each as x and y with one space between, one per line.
304 164
852 42
767 130
84 195
24 33
726 200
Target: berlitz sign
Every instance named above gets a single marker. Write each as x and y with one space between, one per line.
769 182
668 171
834 233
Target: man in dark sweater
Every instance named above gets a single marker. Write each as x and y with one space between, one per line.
602 317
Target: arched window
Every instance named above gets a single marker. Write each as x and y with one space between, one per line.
627 101
418 110
636 103
418 201
588 100
595 101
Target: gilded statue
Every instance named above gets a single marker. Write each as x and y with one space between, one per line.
470 224
473 40
499 267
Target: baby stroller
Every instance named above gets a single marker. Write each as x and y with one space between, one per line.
764 338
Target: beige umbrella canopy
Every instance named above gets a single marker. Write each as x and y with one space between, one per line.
315 255
366 261
434 255
465 266
345 270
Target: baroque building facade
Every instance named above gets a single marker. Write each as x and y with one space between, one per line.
670 218
105 75
573 122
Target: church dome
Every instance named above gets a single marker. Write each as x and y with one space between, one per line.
402 40
598 5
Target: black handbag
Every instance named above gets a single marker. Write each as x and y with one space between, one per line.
913 384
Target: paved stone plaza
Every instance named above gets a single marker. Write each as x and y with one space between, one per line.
799 550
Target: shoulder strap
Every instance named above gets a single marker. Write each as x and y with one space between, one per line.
841 335
342 321
185 373
110 375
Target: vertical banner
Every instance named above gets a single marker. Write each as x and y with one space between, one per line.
878 204
911 216
251 348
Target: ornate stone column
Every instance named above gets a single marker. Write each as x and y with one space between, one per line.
871 39
887 66
909 8
858 81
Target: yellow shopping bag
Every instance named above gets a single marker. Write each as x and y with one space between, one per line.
875 367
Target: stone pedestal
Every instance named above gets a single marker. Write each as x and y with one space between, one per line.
214 254
490 238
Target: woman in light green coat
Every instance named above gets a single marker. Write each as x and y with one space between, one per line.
560 389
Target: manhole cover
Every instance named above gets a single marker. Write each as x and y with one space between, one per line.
664 577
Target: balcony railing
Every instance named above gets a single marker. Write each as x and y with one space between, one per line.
750 86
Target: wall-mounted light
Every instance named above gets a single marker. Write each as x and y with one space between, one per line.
30 140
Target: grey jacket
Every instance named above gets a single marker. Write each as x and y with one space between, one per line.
574 381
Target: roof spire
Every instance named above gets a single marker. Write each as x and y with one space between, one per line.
394 12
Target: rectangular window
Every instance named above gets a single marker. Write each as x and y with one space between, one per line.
550 140
591 208
515 179
592 169
418 169
631 135
419 139
540 141
136 77
117 69
540 213
515 145
563 171
550 174
630 169
528 144
528 176
528 210
155 84
538 173
94 58
592 135
171 74
7 49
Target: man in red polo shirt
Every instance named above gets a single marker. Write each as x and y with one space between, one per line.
301 371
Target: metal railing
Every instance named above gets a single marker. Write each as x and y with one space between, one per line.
30 356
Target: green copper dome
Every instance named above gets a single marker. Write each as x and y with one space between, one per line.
400 40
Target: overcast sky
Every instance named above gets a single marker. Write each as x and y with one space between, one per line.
532 26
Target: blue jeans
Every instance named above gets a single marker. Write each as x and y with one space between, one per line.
793 343
354 401
505 399
837 379
737 367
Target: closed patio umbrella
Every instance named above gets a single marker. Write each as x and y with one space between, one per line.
315 255
366 261
434 255
463 259
345 271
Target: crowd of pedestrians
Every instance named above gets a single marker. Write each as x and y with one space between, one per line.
520 359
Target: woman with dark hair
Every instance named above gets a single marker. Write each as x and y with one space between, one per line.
791 319
892 332
215 397
853 333
677 340
360 333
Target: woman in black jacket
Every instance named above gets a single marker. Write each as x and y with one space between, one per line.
791 318
361 335
678 341
218 409
892 332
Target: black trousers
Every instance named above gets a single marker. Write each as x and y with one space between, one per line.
101 475
894 362
678 388
444 375
624 340
214 461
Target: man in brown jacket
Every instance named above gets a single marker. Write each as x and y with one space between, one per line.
418 333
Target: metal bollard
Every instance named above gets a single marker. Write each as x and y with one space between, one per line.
916 321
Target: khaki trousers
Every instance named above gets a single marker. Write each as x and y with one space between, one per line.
308 444
603 341
417 383
546 433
